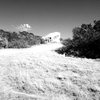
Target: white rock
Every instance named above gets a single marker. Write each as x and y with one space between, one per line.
52 37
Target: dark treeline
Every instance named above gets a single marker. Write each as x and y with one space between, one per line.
85 41
18 40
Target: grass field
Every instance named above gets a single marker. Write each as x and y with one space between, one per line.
39 73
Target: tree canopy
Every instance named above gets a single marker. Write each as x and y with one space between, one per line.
85 41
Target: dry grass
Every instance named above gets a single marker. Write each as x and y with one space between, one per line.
42 74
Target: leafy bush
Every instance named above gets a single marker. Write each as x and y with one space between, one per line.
18 44
3 43
85 42
18 40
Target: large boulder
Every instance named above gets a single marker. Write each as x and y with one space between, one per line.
52 37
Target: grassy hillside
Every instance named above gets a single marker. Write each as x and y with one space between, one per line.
38 73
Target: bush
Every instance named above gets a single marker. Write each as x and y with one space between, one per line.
18 44
3 43
18 40
85 42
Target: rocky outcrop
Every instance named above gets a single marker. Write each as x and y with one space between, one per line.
52 37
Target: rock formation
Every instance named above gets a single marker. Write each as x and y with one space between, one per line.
52 37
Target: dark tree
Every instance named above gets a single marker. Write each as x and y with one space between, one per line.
85 42
97 25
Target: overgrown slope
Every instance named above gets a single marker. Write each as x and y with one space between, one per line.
38 73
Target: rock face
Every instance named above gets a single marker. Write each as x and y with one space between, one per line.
52 38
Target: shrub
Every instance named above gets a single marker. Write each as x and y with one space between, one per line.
85 42
18 40
3 43
18 44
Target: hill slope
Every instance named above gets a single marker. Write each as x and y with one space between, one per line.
39 73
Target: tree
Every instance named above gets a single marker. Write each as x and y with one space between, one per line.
85 42
18 40
97 25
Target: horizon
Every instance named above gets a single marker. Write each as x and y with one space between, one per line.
47 16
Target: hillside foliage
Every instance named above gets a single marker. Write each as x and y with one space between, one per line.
85 41
18 40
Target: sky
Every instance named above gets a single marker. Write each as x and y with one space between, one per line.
47 16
